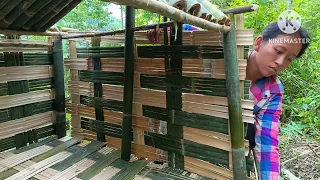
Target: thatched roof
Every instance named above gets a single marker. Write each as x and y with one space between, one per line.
33 15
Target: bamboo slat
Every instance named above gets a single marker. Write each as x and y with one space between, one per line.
106 173
109 116
23 43
26 98
74 170
141 151
12 161
40 166
76 63
207 169
211 68
24 49
18 73
17 126
210 138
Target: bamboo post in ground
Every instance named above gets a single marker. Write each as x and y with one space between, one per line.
234 104
58 69
128 84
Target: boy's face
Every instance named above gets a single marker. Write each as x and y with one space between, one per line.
277 54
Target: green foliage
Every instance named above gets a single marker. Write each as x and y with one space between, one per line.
91 15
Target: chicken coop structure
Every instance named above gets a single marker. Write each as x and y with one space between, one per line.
175 108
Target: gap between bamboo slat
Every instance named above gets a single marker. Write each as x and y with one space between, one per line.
26 98
13 127
18 73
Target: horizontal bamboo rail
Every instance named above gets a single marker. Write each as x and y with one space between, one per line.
18 73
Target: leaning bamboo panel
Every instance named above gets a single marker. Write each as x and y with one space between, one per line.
26 98
18 73
17 126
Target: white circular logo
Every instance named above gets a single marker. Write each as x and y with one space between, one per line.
289 21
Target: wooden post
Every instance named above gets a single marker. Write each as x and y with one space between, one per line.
75 99
234 104
58 69
128 84
173 69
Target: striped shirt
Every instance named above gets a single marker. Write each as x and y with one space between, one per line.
267 96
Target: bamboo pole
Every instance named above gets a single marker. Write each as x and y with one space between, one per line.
138 28
59 88
173 13
240 10
234 104
20 33
128 85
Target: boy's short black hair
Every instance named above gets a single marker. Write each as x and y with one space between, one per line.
273 30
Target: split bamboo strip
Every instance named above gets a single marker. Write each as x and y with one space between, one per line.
74 170
173 13
18 73
244 37
40 166
210 138
23 43
106 173
76 63
25 98
34 33
12 161
17 126
24 49
140 151
207 169
109 116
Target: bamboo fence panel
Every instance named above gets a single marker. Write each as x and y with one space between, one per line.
204 103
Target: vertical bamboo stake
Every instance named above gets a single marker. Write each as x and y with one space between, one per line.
75 99
234 104
95 42
128 84
240 49
58 69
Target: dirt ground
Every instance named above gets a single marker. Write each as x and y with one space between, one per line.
307 166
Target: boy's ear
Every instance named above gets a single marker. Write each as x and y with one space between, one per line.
258 43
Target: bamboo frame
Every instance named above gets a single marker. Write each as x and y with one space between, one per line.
173 13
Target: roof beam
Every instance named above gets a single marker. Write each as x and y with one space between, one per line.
173 13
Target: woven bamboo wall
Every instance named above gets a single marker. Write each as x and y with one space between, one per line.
198 131
26 92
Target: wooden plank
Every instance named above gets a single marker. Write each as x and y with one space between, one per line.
18 73
24 49
12 161
26 98
17 126
40 166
